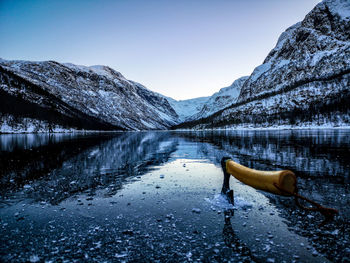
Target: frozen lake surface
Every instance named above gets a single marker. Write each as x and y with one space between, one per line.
155 196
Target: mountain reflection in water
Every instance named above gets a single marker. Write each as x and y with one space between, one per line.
61 168
145 189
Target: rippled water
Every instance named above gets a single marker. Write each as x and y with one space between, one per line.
155 196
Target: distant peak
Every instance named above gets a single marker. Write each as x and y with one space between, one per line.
98 69
105 70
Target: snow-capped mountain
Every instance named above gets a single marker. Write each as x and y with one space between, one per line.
193 109
185 109
97 97
316 48
220 100
304 79
44 96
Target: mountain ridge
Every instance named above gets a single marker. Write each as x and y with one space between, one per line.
303 80
106 95
64 91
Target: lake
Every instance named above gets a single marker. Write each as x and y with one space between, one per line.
155 197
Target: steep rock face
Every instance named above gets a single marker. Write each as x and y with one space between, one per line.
314 49
304 79
98 93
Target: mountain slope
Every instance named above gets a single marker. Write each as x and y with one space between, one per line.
221 99
304 79
74 95
197 108
315 48
185 109
45 96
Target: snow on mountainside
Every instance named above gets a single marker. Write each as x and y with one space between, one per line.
221 99
304 79
186 108
50 96
96 97
317 47
193 109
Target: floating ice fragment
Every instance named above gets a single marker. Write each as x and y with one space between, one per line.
267 248
97 244
27 186
121 255
34 258
196 210
335 232
220 201
169 216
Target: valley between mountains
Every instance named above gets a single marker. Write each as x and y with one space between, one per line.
303 82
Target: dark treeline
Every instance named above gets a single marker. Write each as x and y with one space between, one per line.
316 112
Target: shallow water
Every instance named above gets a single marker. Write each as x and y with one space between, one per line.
155 196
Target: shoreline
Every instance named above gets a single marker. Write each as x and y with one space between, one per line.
272 128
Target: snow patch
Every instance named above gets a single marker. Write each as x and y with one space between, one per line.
220 201
340 7
260 70
187 108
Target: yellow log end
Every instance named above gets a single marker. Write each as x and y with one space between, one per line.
287 182
270 181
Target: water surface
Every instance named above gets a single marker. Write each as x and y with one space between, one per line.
155 196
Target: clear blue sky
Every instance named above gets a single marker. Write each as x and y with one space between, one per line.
180 48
